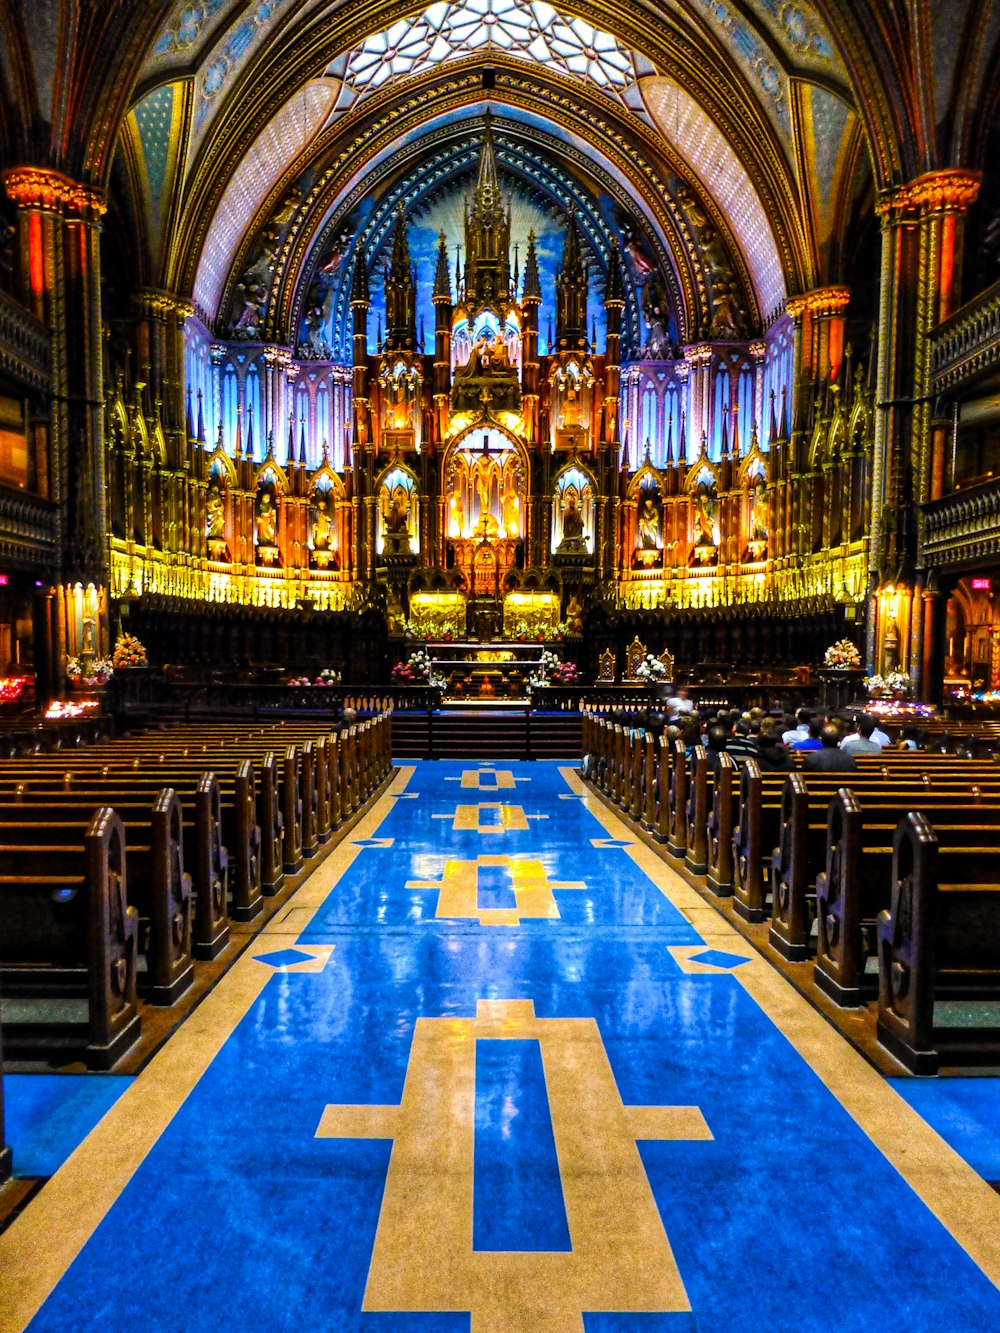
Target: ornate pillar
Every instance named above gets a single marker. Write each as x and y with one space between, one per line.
923 224
60 267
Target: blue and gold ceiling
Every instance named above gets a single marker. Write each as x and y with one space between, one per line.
718 146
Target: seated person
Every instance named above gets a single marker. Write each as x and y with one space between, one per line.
859 741
717 739
812 741
690 733
772 756
909 737
829 758
800 731
741 745
881 737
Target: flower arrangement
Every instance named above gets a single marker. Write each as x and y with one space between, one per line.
418 670
129 652
552 671
329 676
100 673
893 682
842 656
651 669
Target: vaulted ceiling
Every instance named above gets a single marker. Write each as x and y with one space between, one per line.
740 133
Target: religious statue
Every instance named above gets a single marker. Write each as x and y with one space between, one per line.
322 526
215 513
758 511
396 518
705 550
574 614
487 524
511 514
456 513
322 555
267 520
573 541
655 313
649 525
488 380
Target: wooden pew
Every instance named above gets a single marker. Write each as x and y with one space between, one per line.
232 821
940 939
856 883
159 887
721 822
758 830
204 850
184 776
72 934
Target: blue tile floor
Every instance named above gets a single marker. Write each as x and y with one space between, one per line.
48 1115
965 1112
484 1075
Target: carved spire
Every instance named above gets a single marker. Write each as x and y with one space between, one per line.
572 284
442 278
532 281
201 420
487 233
400 292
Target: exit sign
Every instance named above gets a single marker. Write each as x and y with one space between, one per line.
978 585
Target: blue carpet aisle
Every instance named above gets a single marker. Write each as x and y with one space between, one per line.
484 1072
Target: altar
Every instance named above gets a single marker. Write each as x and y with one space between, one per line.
487 672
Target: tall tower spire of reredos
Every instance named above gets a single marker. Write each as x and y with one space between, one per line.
400 293
572 285
487 234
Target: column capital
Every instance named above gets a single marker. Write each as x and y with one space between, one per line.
51 192
821 303
948 191
699 354
161 304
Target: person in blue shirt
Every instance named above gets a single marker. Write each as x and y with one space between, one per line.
812 741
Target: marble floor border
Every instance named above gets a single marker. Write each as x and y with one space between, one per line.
41 1243
966 1206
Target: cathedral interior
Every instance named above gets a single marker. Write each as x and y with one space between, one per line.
500 666
319 325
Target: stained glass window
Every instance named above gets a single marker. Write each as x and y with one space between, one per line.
536 32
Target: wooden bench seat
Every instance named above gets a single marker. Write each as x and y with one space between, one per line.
856 883
158 886
205 852
938 941
72 933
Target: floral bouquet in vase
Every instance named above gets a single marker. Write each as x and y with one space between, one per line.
842 656
651 670
129 652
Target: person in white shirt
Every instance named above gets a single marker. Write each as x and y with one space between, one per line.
880 737
679 704
800 732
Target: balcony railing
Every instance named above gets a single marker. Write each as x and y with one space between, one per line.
24 345
968 344
963 526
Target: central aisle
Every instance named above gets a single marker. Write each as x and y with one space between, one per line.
496 1060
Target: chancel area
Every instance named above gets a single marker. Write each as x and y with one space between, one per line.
499 666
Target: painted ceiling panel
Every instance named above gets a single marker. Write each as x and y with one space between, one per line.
687 126
283 139
829 118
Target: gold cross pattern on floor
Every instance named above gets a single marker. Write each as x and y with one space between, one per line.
423 1258
488 779
458 891
468 818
